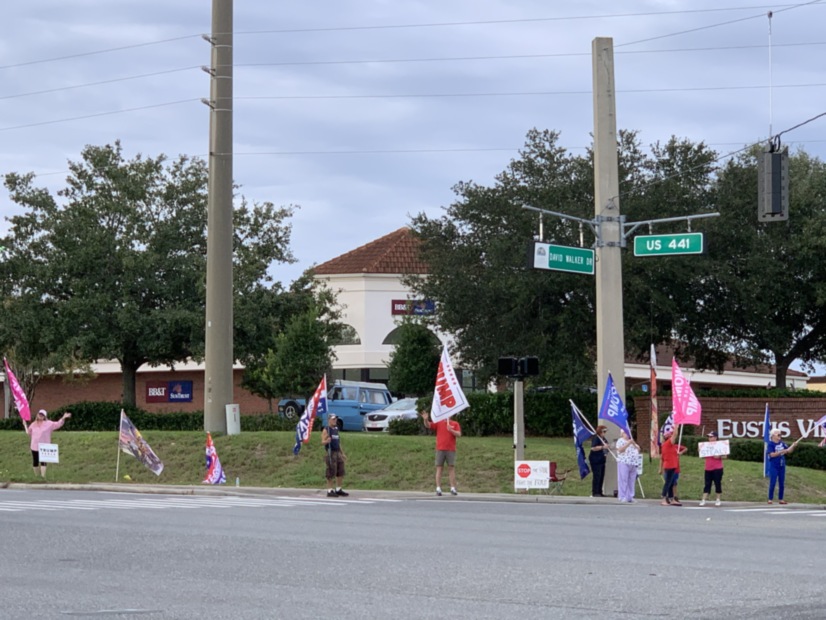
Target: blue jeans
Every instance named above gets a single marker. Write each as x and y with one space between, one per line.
777 474
668 487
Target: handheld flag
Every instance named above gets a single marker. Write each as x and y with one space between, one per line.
214 472
448 398
131 442
653 435
581 434
687 408
766 438
316 407
612 408
20 400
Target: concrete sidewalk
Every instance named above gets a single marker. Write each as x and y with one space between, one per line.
242 491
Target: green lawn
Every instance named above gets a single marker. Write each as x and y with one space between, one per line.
378 462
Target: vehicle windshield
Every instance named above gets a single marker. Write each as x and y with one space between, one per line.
404 403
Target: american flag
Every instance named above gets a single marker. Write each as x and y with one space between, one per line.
316 407
215 473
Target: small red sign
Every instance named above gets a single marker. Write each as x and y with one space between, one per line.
524 470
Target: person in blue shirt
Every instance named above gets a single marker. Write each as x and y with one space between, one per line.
777 450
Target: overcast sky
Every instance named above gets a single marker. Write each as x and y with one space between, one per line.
365 112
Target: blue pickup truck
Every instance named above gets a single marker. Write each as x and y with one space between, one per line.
350 401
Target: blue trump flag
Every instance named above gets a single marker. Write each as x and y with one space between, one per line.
766 438
613 409
581 434
316 407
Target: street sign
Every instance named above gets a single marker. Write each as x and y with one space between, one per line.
668 245
563 258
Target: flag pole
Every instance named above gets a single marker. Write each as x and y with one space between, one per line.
117 466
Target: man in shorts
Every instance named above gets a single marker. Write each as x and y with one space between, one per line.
446 433
334 457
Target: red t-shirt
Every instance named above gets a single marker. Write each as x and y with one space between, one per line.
445 440
671 458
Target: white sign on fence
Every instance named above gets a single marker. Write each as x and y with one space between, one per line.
47 453
531 474
713 448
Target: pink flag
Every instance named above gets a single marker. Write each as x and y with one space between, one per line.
448 398
684 402
20 400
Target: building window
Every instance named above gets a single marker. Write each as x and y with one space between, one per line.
349 335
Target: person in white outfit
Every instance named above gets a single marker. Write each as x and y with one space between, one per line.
628 456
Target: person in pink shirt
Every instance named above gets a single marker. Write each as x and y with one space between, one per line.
41 432
713 473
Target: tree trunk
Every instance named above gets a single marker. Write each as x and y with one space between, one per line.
128 372
780 375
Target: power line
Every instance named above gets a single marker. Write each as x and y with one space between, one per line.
511 21
422 25
509 56
726 23
28 63
101 82
98 114
522 94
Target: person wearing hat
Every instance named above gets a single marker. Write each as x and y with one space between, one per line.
776 449
713 473
41 432
334 457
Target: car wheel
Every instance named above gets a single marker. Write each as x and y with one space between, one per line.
292 410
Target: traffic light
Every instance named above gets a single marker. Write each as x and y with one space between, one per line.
518 367
773 186
529 366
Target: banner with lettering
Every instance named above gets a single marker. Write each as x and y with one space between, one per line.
613 409
654 433
20 400
448 398
687 408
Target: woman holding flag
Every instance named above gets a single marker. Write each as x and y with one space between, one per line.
628 455
777 451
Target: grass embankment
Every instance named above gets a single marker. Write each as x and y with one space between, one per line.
377 462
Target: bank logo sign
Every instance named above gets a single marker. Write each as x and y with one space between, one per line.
169 391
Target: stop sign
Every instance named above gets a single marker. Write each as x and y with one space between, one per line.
524 470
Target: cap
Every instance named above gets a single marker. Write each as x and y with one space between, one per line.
43 412
712 434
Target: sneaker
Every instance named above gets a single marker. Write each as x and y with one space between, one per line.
718 503
702 502
331 493
342 493
783 502
676 502
438 492
453 491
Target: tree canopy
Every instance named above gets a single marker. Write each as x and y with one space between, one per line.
758 295
113 266
414 361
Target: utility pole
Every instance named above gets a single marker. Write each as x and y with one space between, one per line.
218 388
610 335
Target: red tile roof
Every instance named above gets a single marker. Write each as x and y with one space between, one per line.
397 252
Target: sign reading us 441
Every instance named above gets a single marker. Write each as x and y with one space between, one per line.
668 245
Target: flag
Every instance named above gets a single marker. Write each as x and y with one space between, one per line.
667 427
131 442
687 408
581 434
654 445
766 438
448 398
20 400
612 408
214 472
316 407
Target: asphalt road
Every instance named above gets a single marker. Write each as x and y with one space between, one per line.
112 555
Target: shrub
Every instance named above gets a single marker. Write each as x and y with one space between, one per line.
406 426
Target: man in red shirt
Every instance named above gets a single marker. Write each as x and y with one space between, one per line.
446 433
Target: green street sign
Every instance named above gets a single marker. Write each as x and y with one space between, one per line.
668 245
563 258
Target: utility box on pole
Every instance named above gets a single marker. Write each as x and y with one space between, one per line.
773 186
